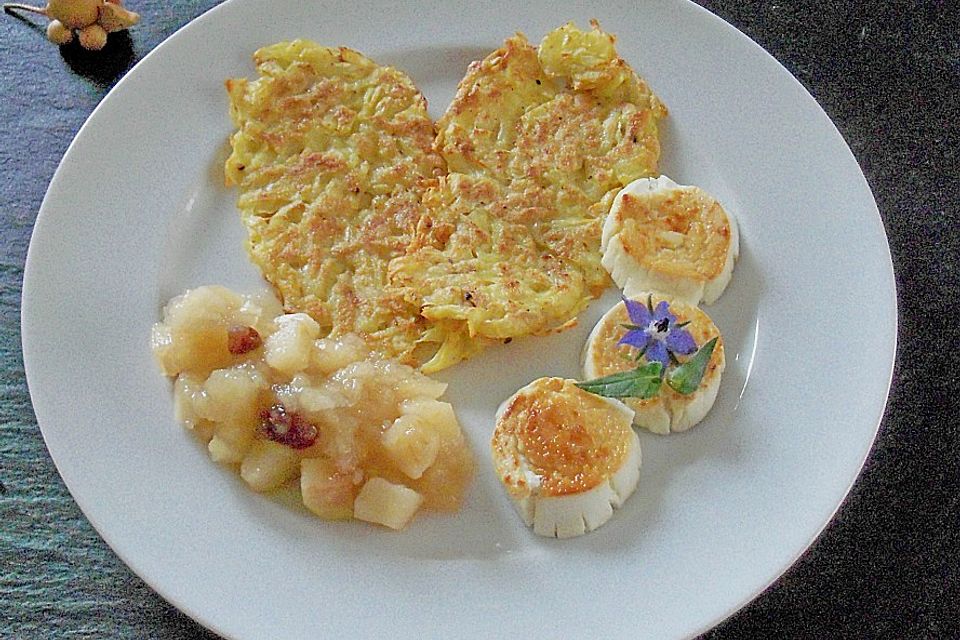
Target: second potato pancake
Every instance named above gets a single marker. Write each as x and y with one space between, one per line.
538 141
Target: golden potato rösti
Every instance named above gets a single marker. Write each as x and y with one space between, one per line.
428 248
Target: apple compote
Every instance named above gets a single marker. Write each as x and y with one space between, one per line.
365 437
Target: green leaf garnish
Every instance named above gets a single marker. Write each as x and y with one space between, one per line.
642 382
686 377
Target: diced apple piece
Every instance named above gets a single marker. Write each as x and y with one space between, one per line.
204 429
326 491
161 343
438 414
231 395
224 451
230 441
411 444
445 483
258 311
268 465
417 385
288 348
192 336
386 503
323 397
352 380
330 354
211 303
198 348
186 391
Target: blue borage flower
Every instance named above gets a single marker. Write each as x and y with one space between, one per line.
656 333
659 338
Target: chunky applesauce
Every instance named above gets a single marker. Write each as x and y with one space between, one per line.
365 437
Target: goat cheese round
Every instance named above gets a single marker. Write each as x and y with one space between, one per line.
566 457
678 240
668 411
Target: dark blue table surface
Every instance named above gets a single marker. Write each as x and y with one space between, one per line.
888 566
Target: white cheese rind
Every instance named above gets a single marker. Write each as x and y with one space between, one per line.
573 515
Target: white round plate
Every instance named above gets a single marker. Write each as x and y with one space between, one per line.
137 212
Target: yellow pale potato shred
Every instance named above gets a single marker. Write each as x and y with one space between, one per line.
331 156
433 244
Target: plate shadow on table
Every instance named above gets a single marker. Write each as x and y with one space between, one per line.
102 67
